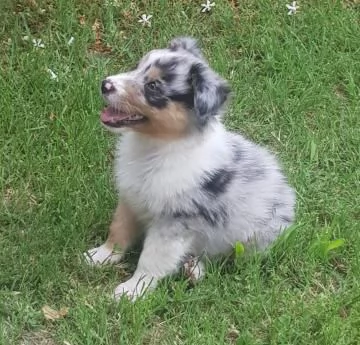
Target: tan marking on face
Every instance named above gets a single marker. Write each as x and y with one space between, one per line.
170 122
154 73
133 93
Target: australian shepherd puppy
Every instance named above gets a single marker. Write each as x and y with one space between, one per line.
185 183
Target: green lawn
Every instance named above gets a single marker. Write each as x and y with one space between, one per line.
296 89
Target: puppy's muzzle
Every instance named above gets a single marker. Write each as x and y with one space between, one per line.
107 87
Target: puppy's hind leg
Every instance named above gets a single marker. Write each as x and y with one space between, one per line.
122 233
165 248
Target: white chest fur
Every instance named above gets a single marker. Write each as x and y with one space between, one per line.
152 175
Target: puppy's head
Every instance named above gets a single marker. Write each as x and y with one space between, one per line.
171 92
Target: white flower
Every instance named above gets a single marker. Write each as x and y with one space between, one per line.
71 41
207 7
292 8
115 3
145 20
38 43
53 76
25 38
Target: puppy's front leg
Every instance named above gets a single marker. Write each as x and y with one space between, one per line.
123 232
165 247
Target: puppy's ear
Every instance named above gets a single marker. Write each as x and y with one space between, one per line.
210 92
187 43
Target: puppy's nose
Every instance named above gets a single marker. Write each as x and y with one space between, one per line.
107 86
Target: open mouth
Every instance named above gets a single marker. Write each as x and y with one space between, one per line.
113 117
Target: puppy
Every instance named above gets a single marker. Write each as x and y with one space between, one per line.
185 182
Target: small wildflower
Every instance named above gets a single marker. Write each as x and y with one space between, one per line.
207 7
38 43
115 3
53 76
25 38
71 41
292 8
145 20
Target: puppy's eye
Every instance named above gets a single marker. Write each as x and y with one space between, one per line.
153 85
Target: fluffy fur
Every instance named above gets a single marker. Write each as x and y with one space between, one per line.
185 182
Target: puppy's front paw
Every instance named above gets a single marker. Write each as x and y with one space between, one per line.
194 269
101 255
134 288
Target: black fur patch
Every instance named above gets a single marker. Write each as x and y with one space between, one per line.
186 98
182 214
156 97
217 182
238 152
168 77
167 69
212 215
202 108
166 65
206 83
157 101
197 76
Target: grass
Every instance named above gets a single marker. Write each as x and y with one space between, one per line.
296 83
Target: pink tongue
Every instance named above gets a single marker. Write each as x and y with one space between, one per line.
109 114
